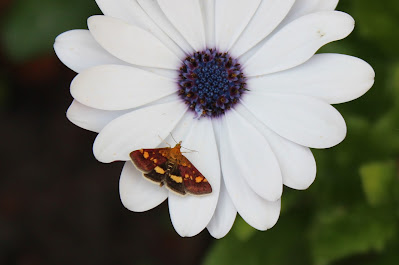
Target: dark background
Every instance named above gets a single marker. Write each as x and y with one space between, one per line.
58 205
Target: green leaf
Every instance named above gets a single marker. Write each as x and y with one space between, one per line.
242 230
342 232
385 134
284 244
390 255
378 23
394 83
378 180
30 27
231 250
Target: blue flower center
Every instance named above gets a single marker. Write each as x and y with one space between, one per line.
211 83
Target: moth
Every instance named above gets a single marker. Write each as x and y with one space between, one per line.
168 166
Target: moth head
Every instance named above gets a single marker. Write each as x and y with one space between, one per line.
179 145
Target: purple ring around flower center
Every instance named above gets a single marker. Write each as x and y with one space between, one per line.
211 83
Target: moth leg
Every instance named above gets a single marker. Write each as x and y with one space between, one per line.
164 141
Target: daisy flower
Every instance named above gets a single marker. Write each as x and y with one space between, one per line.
236 80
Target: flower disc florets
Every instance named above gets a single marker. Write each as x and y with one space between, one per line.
211 82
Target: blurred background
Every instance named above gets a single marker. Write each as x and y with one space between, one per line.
58 205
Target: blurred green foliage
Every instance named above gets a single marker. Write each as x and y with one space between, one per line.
378 180
350 214
30 27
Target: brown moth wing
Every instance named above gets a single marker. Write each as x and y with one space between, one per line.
146 160
194 182
174 180
158 174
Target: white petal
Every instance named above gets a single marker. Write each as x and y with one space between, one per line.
95 119
254 157
138 194
181 130
91 119
305 7
116 8
121 9
78 50
118 87
299 41
131 12
297 164
186 16
154 11
141 128
224 216
335 78
131 43
231 18
257 212
300 8
191 214
304 120
269 14
208 13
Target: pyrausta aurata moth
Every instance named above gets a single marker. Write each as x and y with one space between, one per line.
168 166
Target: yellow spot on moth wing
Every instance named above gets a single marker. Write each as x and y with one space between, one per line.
155 160
176 179
146 155
141 151
199 179
159 170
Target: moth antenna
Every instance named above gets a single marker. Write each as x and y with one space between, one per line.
164 141
173 138
192 151
189 152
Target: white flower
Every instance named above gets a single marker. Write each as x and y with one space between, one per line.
255 133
